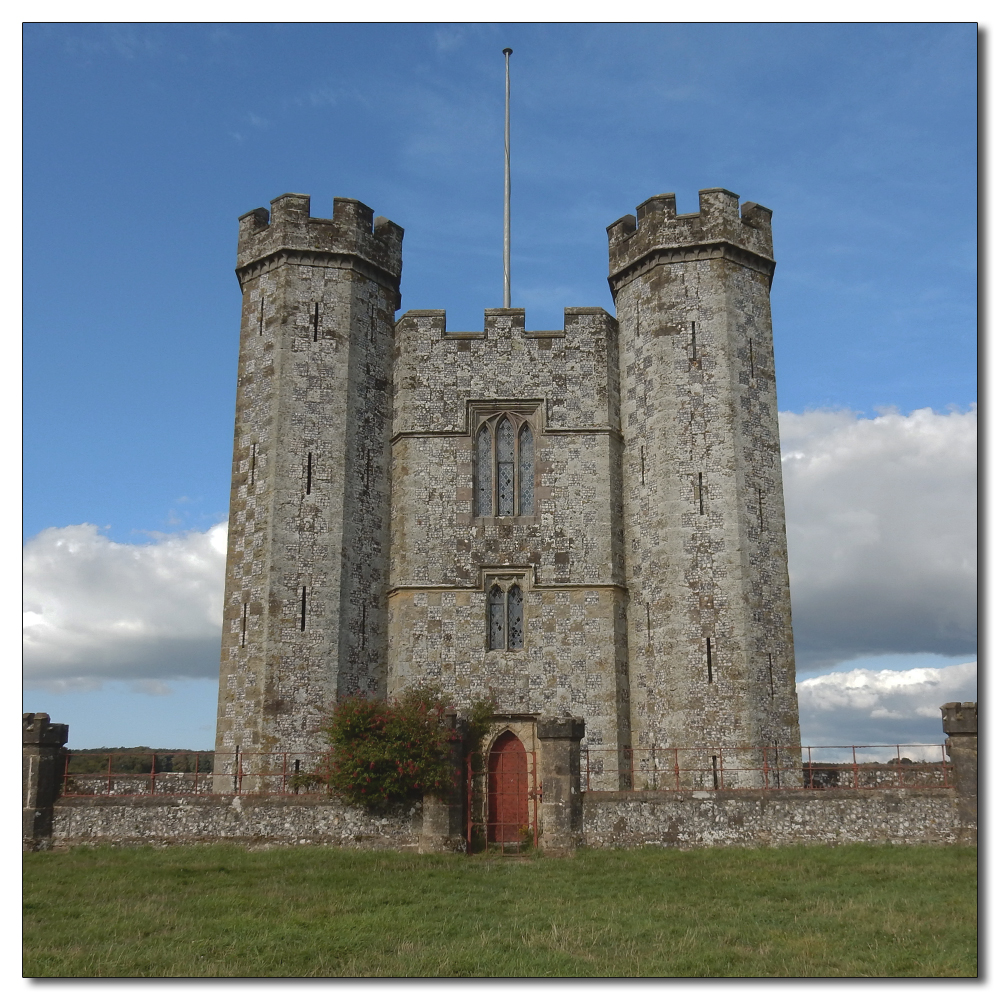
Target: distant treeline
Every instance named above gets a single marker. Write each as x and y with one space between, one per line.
139 760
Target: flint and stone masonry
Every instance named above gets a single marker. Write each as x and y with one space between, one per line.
584 523
570 816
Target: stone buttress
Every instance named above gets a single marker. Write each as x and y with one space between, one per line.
709 614
307 569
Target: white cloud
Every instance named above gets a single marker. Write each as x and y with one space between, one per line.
881 533
881 706
881 528
97 610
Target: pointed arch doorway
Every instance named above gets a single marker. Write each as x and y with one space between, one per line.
507 782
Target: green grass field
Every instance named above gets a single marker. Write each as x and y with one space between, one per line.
313 911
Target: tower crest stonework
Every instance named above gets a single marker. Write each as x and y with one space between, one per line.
581 523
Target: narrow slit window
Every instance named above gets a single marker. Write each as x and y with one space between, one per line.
649 626
260 325
316 322
302 619
309 473
770 672
708 658
484 473
526 471
243 627
701 495
642 466
498 639
694 343
253 463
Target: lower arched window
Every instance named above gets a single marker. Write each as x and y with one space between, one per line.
505 617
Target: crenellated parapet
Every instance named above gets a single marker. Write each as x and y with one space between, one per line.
503 323
960 718
290 232
37 730
656 234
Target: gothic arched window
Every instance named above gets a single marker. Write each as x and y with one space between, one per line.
505 621
505 467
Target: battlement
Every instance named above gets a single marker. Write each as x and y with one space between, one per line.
498 323
38 730
960 718
353 231
719 219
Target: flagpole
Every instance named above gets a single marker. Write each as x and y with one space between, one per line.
506 189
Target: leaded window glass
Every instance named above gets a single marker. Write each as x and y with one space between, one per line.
505 468
515 618
496 624
484 472
526 471
505 617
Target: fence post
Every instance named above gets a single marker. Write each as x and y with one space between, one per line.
960 720
562 802
441 827
41 769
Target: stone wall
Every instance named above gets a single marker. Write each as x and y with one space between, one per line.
566 555
211 819
769 818
609 820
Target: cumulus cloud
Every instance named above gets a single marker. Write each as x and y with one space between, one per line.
881 706
881 533
97 610
882 548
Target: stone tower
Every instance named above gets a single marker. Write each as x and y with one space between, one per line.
580 523
306 575
709 615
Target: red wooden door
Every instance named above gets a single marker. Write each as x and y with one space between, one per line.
507 791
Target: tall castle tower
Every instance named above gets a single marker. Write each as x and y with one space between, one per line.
580 522
709 617
304 618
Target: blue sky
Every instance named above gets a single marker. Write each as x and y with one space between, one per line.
143 143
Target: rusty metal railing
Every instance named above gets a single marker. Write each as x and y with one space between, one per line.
241 772
238 772
641 769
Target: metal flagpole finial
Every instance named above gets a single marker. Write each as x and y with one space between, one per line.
506 187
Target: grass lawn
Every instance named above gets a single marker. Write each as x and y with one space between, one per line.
314 911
